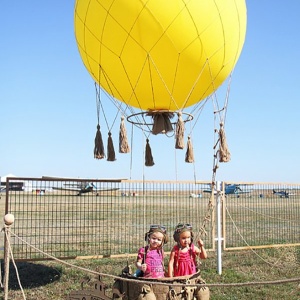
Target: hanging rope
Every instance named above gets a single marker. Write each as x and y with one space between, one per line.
223 153
123 140
149 162
131 154
98 148
179 132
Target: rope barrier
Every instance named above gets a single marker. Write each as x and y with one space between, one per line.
244 240
254 283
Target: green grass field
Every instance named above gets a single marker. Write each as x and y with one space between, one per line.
52 280
71 225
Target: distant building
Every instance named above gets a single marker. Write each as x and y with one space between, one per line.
16 185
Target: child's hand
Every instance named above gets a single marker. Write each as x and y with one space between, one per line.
200 243
144 267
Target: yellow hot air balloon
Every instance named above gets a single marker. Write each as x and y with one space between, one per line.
160 55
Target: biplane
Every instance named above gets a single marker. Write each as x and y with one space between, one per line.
81 187
232 189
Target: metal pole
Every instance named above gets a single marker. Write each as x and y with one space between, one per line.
219 228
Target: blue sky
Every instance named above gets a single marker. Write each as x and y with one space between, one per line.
48 111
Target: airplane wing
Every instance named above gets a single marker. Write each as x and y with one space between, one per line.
209 191
78 189
106 190
79 180
66 189
236 192
242 192
81 186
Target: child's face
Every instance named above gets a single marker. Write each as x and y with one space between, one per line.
156 239
185 238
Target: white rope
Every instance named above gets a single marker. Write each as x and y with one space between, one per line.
265 215
244 240
282 281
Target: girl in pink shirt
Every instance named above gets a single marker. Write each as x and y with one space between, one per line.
150 259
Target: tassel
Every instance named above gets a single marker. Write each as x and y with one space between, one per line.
189 156
123 142
171 295
161 122
179 132
146 293
224 154
111 155
148 155
98 149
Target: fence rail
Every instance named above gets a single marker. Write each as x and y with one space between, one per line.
112 218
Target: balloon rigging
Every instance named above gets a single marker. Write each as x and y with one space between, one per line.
160 58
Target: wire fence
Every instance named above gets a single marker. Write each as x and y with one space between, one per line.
70 218
263 220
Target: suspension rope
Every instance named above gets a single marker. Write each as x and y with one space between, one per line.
194 163
131 152
97 103
100 105
144 200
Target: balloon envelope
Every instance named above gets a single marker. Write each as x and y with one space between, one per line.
160 55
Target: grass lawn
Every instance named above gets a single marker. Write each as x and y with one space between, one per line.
54 280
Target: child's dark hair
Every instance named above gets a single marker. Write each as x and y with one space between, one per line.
181 227
157 228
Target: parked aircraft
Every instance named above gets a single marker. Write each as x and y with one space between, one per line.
193 195
81 187
232 189
282 194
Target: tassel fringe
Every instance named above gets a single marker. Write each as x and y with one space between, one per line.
189 156
179 132
123 141
161 122
224 154
149 162
98 149
111 155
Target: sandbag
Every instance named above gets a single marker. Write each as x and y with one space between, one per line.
202 293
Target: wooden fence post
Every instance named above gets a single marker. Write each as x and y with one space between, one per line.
8 221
